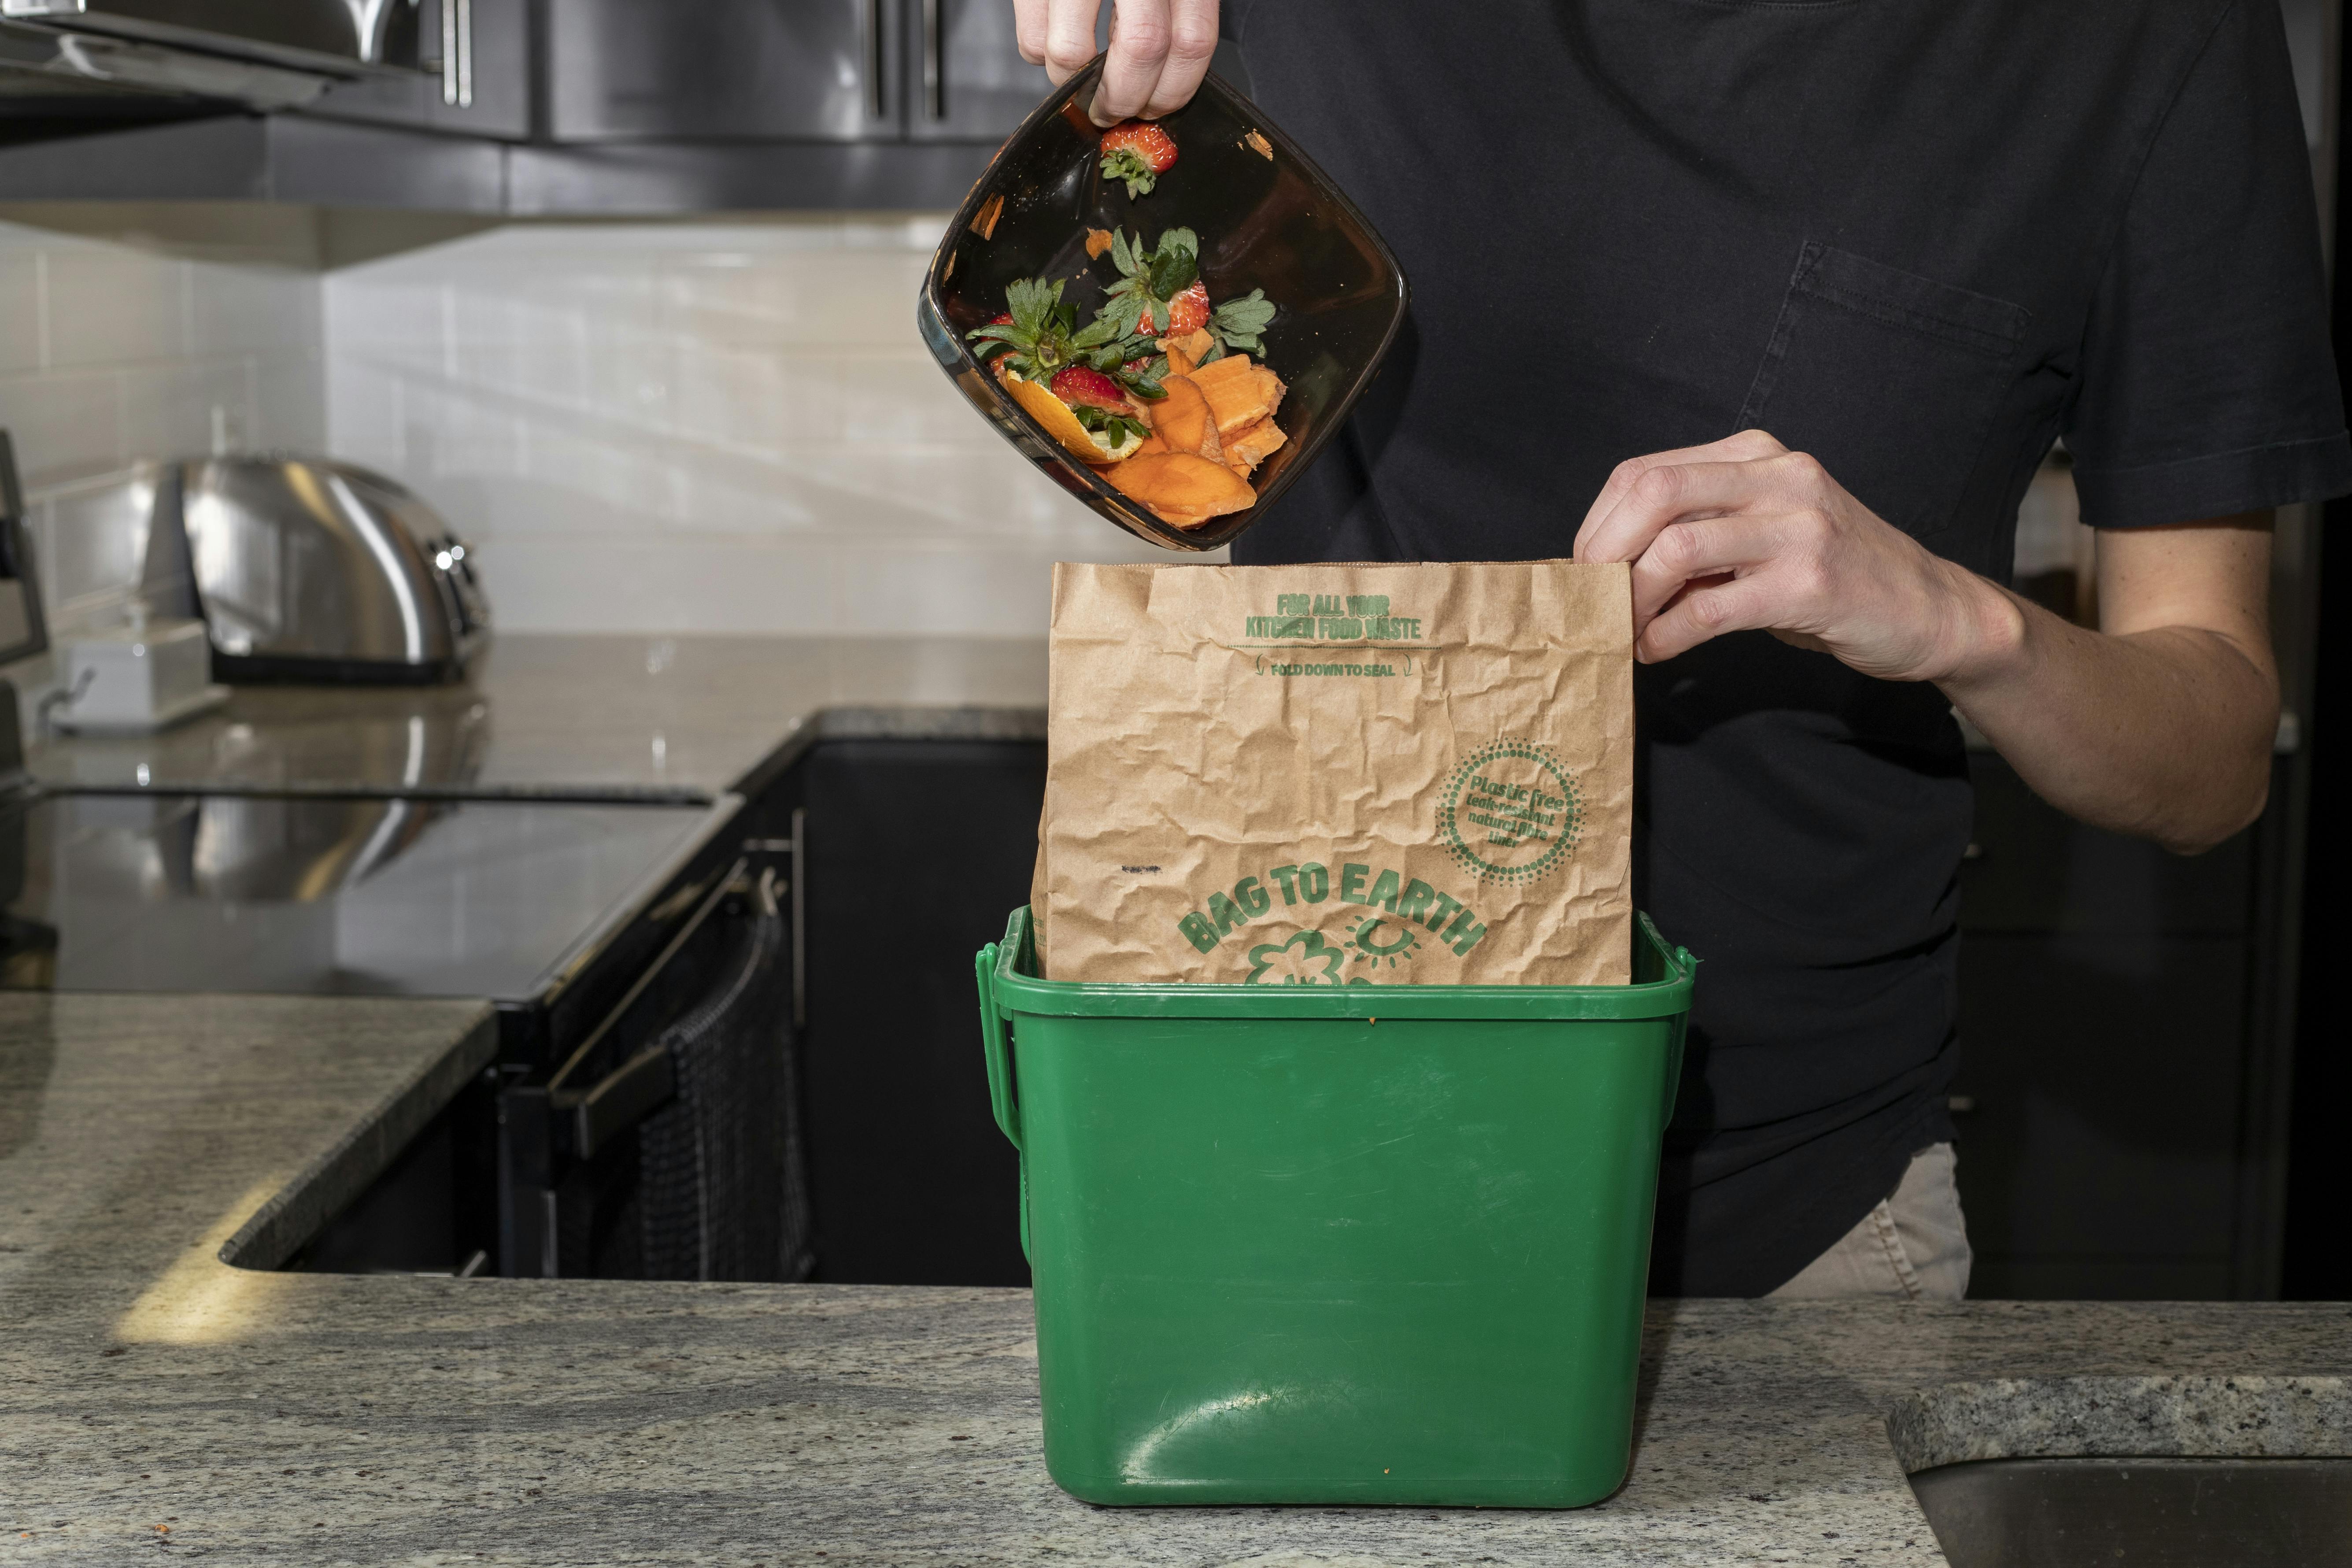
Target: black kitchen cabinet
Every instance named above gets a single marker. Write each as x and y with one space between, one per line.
719 70
588 107
472 62
965 78
785 70
915 852
911 853
2118 1090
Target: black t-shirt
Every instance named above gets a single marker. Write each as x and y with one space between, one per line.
1919 239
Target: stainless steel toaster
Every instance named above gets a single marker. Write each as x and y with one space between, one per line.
308 569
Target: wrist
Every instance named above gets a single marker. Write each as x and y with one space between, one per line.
1989 634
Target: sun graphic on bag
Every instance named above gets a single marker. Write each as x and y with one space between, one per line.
1374 949
1304 959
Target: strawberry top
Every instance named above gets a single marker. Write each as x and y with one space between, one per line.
1137 152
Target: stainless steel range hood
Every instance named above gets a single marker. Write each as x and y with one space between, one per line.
264 54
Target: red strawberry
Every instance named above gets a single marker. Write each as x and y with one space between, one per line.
1082 388
1188 313
1137 152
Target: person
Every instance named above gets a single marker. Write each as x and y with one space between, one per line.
1784 302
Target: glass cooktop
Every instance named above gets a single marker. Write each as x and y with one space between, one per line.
236 893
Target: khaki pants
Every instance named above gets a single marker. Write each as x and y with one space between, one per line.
1914 1246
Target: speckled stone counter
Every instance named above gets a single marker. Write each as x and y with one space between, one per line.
156 1401
612 717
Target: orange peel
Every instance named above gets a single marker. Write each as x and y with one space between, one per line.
1054 415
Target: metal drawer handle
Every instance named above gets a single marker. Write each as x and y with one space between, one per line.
873 103
622 1098
458 53
935 84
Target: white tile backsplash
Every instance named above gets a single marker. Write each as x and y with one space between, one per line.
727 426
108 305
717 427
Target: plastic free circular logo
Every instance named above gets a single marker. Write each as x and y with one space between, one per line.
1511 812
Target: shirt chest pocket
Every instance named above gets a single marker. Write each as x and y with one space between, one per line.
1892 380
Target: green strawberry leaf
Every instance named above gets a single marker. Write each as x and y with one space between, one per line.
1145 383
1125 308
1172 272
1247 316
1028 299
1125 165
1237 323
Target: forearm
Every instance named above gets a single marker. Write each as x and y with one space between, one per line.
2159 723
2163 731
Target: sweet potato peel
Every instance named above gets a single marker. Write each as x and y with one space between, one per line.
1240 393
1215 427
1182 420
1184 353
1182 489
1247 448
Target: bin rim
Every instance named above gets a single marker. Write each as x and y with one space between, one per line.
1017 992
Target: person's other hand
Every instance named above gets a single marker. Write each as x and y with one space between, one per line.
1743 534
1159 50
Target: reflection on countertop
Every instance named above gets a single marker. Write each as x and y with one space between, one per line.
149 1391
680 719
156 890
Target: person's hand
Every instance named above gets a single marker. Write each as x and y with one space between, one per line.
1159 50
1743 534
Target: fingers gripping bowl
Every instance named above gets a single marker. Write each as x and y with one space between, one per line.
1260 218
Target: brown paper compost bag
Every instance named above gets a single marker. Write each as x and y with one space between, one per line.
1341 775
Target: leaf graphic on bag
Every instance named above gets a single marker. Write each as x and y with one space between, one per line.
1304 959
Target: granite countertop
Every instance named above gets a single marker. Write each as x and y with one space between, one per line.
151 1392
680 719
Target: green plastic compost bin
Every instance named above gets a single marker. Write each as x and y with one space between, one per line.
1349 1245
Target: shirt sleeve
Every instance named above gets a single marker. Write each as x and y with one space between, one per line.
2207 387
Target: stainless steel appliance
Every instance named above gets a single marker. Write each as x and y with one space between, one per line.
264 54
306 569
641 1120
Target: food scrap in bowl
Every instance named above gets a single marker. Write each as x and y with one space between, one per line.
1137 152
1159 393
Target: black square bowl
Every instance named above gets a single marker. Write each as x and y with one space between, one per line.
1276 224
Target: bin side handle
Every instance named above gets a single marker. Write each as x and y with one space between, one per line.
995 1046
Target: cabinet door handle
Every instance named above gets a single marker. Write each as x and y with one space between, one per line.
799 917
458 53
874 25
935 76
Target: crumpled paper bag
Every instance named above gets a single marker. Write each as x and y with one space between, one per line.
1340 774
